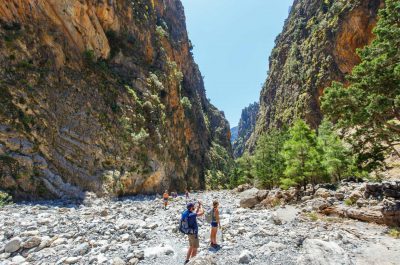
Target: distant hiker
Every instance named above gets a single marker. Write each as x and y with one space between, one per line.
215 224
188 225
175 195
187 194
165 199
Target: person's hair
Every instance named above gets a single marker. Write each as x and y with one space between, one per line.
215 203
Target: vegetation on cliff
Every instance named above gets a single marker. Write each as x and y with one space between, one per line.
107 98
368 109
317 46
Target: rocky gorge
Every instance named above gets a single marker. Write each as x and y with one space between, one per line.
136 230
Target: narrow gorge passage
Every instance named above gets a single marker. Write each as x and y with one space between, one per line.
136 230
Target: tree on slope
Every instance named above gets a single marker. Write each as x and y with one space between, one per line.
336 158
369 108
269 164
302 158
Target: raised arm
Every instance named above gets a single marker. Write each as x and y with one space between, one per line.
200 210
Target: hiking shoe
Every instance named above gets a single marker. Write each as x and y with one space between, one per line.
186 262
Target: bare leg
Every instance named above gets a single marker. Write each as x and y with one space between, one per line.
214 235
189 253
194 252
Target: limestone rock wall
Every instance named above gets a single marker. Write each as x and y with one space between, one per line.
103 96
317 46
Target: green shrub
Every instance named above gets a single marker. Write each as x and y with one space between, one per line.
395 232
161 32
148 106
4 199
186 103
140 137
89 56
349 202
313 216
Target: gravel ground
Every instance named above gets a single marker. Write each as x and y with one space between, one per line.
137 230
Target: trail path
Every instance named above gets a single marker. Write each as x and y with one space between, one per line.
138 231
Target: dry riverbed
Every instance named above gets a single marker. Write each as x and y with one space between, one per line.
137 230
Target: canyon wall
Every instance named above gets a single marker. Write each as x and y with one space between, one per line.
102 96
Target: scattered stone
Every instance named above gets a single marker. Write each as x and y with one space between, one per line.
133 261
18 259
340 196
13 245
158 251
323 193
104 213
72 260
32 242
274 247
81 249
246 257
118 261
320 204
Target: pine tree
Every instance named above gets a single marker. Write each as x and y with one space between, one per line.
242 172
369 109
269 164
336 158
302 158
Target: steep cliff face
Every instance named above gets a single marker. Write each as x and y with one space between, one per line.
317 46
246 126
101 96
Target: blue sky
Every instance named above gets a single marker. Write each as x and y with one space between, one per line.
232 42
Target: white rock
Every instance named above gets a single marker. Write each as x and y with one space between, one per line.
72 260
319 252
133 261
118 261
18 259
245 257
158 251
273 246
82 249
13 245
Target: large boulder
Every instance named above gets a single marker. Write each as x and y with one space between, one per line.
385 189
391 213
319 252
319 204
262 194
249 198
243 187
363 214
323 193
355 195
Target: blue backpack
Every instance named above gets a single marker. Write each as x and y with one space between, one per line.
186 224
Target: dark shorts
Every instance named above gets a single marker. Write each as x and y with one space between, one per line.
214 224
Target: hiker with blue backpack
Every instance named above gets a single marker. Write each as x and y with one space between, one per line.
188 225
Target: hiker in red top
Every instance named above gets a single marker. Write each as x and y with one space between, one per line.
165 199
